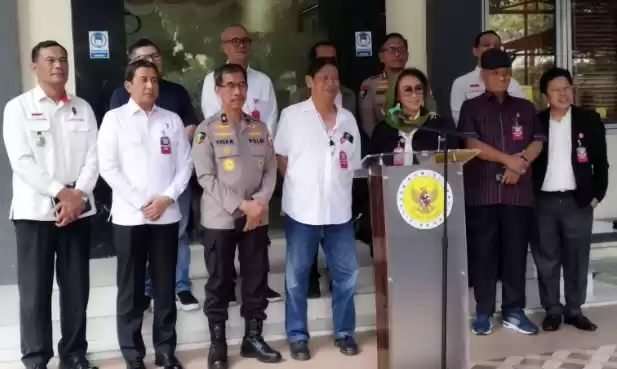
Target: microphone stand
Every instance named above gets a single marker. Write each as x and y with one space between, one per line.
444 134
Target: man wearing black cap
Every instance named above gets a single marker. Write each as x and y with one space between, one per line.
499 193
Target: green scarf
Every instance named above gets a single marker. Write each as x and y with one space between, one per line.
392 109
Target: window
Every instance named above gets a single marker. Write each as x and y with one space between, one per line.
594 55
528 34
188 33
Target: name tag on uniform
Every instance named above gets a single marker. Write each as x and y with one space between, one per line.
165 145
517 132
37 116
581 154
342 158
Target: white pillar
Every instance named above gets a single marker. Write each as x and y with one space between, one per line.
408 17
41 20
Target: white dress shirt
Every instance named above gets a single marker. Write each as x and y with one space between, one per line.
133 163
50 146
471 85
260 96
559 172
317 188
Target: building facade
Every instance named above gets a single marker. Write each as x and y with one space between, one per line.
578 34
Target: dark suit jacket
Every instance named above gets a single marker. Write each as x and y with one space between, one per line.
385 138
592 176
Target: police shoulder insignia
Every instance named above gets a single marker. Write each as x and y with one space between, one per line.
200 137
364 90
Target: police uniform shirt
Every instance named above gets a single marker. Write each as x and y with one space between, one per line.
233 162
260 98
372 98
471 85
141 156
320 164
50 146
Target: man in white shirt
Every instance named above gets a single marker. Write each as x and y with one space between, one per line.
318 148
144 156
50 139
471 85
260 97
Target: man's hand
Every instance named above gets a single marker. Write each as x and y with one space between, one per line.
594 203
70 206
517 164
155 207
510 177
254 211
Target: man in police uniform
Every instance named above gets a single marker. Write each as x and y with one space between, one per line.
236 166
260 101
393 53
50 138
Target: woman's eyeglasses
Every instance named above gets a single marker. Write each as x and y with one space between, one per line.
410 90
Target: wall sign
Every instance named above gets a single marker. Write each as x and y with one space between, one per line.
99 44
364 44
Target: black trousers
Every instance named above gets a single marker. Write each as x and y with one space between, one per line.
136 246
39 246
219 254
562 239
498 236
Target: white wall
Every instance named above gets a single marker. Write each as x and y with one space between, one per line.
408 17
41 20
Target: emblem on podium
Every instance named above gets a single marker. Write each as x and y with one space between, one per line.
420 199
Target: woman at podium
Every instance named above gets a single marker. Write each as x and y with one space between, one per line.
408 125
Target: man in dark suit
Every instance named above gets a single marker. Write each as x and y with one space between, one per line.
570 179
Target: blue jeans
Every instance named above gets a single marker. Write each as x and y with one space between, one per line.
183 282
339 246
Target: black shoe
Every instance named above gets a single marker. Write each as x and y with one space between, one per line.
139 364
347 345
273 296
314 292
76 362
167 361
217 354
36 366
186 301
551 323
581 322
254 346
300 350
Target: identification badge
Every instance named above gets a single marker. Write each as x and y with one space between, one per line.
581 154
165 145
256 114
342 158
517 132
399 157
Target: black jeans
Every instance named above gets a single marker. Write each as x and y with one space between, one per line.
136 246
219 254
498 235
39 246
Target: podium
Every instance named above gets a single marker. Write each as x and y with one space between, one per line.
407 218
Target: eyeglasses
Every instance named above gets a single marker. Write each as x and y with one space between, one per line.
232 86
394 50
410 90
239 41
152 57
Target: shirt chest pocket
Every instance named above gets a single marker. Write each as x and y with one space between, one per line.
39 134
257 146
227 155
77 135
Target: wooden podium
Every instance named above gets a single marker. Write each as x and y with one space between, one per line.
407 215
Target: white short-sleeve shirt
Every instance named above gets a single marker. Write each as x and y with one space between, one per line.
319 176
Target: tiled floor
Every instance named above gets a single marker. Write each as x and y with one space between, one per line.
505 349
